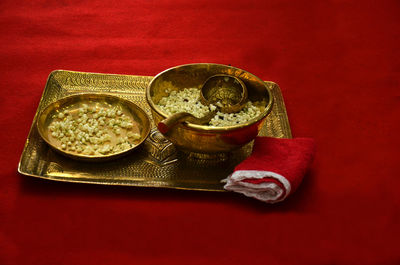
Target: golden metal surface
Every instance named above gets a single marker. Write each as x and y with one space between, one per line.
167 124
202 138
130 110
155 163
228 92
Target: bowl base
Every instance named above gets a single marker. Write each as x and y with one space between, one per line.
217 157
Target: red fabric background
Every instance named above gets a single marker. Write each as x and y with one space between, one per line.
337 63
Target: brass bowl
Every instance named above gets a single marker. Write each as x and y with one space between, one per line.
72 103
202 138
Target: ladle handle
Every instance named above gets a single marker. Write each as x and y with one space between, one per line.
165 125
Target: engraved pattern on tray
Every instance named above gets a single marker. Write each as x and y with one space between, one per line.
156 163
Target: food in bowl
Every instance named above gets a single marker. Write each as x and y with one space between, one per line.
205 139
93 130
93 127
187 100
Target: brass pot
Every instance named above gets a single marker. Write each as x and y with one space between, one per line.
202 138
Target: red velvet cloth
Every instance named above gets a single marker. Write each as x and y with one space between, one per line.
337 63
274 170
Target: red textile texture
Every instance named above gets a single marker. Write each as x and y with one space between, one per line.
337 63
283 162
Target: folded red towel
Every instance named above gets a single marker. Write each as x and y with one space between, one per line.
274 169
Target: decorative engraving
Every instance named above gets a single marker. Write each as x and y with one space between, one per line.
54 168
161 151
156 163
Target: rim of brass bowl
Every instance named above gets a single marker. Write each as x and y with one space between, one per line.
207 128
43 118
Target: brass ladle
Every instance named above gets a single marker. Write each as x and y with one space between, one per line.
228 93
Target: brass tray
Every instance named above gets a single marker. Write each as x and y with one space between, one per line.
156 163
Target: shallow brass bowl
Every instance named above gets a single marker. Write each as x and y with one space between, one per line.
130 109
203 138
